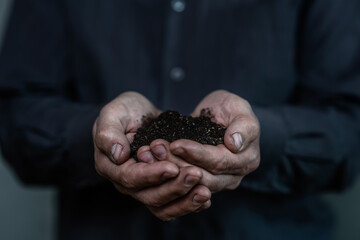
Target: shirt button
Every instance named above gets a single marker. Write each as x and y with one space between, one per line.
177 74
178 5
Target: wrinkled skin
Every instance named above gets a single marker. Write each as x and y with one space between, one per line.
192 172
167 190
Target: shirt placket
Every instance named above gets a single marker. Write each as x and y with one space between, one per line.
174 74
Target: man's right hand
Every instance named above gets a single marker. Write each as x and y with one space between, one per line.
165 189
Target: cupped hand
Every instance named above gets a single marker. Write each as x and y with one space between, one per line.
118 122
158 185
240 153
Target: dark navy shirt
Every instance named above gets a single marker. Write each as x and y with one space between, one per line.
296 61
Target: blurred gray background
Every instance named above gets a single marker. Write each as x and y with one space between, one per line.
26 213
29 212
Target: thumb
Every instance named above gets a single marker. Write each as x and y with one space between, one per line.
241 131
110 138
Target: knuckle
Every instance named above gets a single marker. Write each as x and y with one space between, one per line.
194 171
103 133
241 102
245 103
168 167
101 136
107 110
253 125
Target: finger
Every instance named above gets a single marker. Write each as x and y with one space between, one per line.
215 183
198 199
160 149
144 155
135 175
241 132
110 138
178 187
217 160
117 123
159 146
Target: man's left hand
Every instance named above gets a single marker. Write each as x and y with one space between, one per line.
224 165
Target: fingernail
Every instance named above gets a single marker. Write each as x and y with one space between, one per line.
116 151
191 181
146 157
159 151
199 199
237 141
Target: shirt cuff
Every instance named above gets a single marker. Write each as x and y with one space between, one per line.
79 150
273 136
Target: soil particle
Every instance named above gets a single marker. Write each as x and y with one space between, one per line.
171 126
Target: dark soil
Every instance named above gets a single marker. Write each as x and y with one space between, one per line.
171 125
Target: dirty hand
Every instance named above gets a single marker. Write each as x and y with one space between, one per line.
161 186
227 164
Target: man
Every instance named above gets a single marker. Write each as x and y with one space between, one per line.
77 76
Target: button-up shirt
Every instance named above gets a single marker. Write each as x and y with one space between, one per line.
295 61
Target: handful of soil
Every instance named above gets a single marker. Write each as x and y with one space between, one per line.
171 125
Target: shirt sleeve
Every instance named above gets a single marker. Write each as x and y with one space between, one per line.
313 143
45 132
